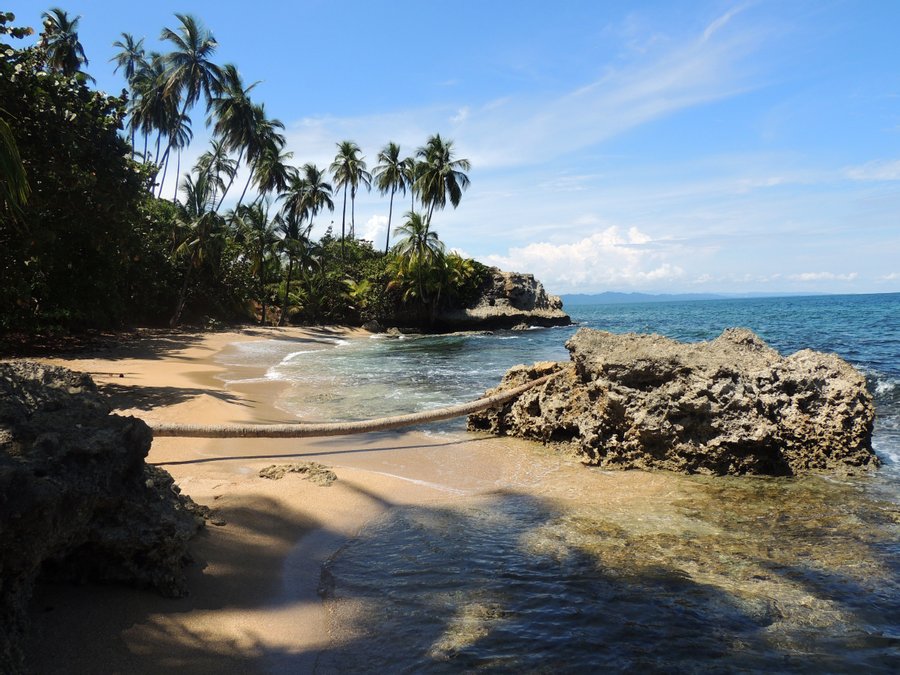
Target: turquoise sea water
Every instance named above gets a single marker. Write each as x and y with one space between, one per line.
750 575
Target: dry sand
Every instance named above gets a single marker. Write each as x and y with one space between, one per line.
254 604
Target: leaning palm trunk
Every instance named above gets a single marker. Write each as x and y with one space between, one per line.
309 430
387 243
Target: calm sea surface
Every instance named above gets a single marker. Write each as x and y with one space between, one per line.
783 575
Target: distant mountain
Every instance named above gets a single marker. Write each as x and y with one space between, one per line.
612 298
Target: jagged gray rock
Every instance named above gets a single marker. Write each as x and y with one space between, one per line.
77 500
507 300
732 405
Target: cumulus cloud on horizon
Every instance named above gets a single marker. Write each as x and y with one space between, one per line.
611 257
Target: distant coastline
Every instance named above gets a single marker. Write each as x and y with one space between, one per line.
616 298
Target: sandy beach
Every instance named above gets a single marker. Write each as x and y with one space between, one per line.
254 602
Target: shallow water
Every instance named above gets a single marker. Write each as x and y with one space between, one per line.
788 575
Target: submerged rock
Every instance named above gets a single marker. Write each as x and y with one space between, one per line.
507 300
732 405
77 500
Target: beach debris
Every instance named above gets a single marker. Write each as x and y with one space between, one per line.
311 471
732 405
77 500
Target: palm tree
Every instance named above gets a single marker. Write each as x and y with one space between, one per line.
189 70
234 115
216 163
263 138
290 225
349 170
272 173
60 38
411 170
258 233
131 60
390 176
419 254
180 136
150 107
441 176
307 194
201 227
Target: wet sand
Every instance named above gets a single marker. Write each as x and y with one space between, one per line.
254 602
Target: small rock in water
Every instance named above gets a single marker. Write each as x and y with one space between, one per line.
311 471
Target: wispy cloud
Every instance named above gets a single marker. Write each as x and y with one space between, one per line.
878 170
823 276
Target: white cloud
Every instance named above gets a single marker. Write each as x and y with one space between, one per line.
612 257
878 170
374 230
823 276
893 276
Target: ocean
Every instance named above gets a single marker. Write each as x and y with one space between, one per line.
753 574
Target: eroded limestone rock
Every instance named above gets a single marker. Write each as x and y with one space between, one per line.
77 500
732 405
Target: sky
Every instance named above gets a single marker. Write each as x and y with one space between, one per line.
666 147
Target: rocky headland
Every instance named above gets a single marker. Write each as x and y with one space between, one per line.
732 405
506 300
77 500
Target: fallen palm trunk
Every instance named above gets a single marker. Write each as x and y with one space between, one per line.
309 430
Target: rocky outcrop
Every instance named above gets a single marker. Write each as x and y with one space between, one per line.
507 300
729 406
77 500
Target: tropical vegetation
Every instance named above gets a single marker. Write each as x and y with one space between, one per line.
88 239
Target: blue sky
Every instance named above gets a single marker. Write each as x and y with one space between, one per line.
632 146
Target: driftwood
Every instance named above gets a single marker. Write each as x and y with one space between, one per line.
309 430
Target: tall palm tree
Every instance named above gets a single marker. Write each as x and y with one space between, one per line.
180 137
362 178
131 59
201 228
258 233
290 225
442 176
60 38
190 71
234 115
150 107
264 138
308 193
390 176
411 170
216 163
272 172
349 170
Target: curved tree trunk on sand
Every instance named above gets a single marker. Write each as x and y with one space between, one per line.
309 430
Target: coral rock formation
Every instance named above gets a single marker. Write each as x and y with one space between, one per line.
732 405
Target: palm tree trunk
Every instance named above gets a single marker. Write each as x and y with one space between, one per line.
182 297
231 180
165 161
249 178
177 174
387 243
352 214
343 221
287 288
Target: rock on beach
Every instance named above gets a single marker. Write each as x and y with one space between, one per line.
732 405
77 500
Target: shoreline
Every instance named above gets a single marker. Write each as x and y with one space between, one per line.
254 600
